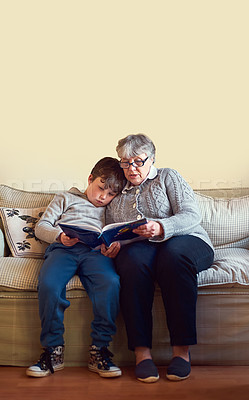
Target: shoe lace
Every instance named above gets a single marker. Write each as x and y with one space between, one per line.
46 360
106 357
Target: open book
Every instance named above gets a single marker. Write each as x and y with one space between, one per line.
93 237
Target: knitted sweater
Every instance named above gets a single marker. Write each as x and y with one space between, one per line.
70 207
164 196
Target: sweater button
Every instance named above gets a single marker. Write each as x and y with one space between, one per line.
134 205
137 191
139 217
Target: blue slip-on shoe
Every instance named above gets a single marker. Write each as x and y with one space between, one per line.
146 371
178 369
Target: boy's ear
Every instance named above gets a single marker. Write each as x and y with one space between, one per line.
90 179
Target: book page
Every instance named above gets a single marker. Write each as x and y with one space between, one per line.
129 224
121 231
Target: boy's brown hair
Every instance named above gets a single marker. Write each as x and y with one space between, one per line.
109 170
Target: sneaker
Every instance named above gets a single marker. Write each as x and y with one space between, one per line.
146 371
51 360
100 361
178 369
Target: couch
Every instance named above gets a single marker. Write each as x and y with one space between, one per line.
222 306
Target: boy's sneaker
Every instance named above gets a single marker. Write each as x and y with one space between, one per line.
51 360
100 361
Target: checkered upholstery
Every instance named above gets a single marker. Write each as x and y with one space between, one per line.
225 220
22 274
10 197
230 269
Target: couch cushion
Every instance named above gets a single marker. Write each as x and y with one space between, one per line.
22 274
19 226
10 197
230 269
225 220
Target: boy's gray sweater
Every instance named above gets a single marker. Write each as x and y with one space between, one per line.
164 196
70 207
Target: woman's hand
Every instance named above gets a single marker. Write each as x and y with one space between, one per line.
110 251
67 241
149 230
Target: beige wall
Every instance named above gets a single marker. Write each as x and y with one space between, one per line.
75 76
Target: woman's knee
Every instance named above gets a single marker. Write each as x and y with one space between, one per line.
135 260
126 256
173 259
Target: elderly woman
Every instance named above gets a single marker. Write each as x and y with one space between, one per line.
174 249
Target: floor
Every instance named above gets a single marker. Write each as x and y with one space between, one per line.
205 383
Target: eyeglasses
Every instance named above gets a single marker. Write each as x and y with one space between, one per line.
136 163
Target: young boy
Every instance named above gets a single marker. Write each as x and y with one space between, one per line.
66 257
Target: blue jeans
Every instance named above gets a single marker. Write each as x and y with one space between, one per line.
99 278
174 264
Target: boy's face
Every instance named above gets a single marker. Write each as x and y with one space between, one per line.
97 194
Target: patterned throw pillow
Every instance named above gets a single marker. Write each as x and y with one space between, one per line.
19 227
225 220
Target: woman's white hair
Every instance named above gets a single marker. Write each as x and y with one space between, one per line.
134 145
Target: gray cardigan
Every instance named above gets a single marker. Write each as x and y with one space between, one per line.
164 196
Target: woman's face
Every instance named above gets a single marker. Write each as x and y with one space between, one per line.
136 175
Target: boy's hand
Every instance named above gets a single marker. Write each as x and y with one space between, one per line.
66 240
110 251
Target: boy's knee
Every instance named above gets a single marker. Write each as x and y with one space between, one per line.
112 282
47 287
